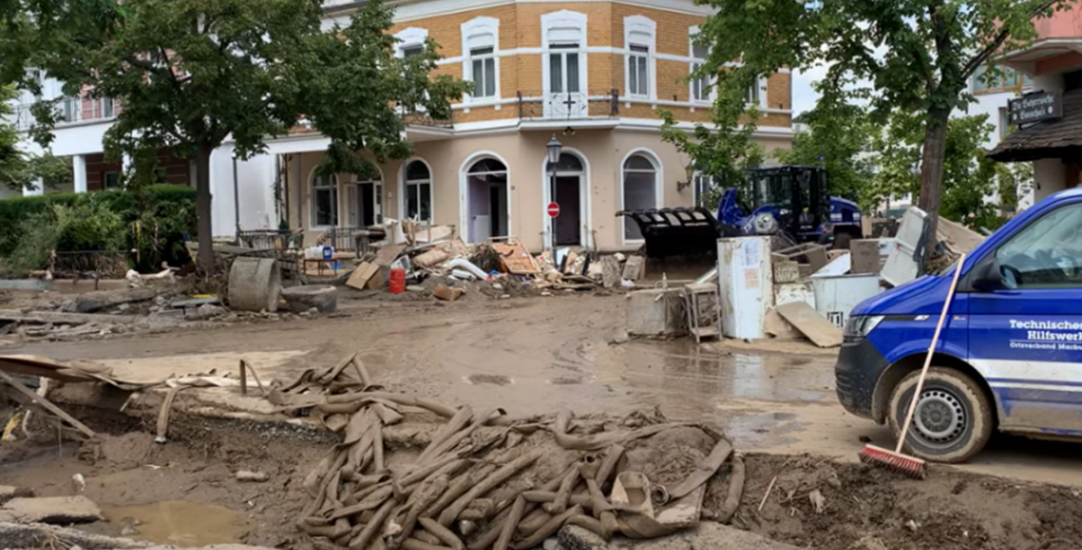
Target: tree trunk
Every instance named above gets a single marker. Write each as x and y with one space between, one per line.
205 260
931 170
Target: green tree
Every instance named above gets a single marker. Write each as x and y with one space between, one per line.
725 149
896 160
969 178
917 55
192 73
20 169
839 138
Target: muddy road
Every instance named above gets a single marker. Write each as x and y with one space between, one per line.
536 355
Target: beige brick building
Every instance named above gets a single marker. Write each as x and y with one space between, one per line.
593 74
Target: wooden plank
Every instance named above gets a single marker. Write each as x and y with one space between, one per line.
360 276
41 401
811 324
388 254
516 259
779 328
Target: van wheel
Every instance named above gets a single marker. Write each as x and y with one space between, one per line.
953 420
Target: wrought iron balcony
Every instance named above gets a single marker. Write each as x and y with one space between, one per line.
568 105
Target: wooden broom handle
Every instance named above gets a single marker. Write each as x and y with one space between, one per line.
931 352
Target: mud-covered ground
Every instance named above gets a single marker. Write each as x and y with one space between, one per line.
185 493
539 354
866 508
536 355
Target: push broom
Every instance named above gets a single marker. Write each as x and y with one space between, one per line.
896 460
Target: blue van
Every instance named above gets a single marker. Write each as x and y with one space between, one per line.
1009 357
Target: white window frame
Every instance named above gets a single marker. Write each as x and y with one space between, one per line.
312 188
760 90
641 31
696 192
659 176
409 38
477 33
710 82
403 191
564 27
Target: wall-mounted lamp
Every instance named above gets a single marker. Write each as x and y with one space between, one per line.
689 173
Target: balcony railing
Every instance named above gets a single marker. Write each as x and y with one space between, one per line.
418 117
70 110
568 105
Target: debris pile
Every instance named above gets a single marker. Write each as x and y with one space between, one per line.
489 481
483 268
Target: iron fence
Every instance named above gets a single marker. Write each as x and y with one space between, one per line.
92 264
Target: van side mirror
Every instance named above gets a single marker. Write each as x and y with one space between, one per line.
988 276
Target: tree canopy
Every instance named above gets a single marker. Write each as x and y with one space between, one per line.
726 148
190 74
837 136
914 56
20 169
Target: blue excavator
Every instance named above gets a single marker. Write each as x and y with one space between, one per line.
792 203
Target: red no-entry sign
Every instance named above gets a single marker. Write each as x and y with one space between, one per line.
553 209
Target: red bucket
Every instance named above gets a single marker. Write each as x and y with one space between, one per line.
398 281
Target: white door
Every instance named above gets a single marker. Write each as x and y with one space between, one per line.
482 228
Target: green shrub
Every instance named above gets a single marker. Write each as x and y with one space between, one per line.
38 235
152 222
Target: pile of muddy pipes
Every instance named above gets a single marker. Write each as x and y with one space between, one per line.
457 493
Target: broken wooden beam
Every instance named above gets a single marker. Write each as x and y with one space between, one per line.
46 404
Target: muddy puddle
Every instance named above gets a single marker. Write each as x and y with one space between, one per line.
178 523
683 376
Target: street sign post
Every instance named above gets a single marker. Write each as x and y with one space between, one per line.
553 209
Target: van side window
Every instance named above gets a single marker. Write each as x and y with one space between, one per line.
1047 253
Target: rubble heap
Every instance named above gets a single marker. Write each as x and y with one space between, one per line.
488 481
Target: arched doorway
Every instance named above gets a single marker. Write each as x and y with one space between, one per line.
566 191
486 200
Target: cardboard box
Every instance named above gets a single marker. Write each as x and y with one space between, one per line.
786 271
447 293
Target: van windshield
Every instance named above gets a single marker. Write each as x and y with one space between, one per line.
1048 252
1060 226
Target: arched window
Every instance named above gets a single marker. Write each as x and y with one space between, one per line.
639 191
418 191
324 199
480 46
640 41
564 67
703 187
701 86
411 41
